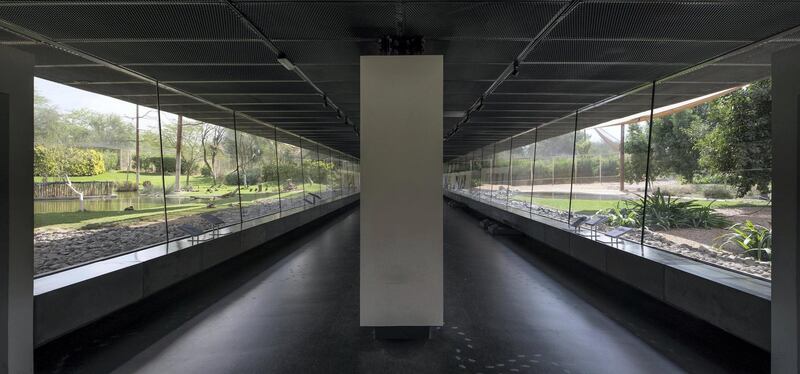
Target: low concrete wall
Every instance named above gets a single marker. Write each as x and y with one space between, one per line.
733 309
65 309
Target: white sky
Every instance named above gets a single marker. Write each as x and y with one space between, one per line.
67 99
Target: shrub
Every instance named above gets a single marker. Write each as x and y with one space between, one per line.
57 161
110 158
755 240
621 216
251 176
45 162
705 217
717 192
610 166
149 188
154 163
665 212
126 186
230 179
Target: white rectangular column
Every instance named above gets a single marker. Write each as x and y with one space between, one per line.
785 211
401 194
16 211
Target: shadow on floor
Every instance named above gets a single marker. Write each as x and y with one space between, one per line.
684 339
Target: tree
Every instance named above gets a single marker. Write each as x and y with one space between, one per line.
52 128
738 144
191 149
673 146
583 143
636 144
138 154
101 130
178 144
250 152
211 143
47 124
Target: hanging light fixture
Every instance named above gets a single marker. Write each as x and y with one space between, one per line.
283 60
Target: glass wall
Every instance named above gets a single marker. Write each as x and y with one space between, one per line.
500 173
97 175
711 159
486 161
290 171
459 175
199 168
521 173
553 170
311 171
116 174
683 165
258 170
475 163
610 164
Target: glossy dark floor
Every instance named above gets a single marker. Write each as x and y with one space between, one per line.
510 306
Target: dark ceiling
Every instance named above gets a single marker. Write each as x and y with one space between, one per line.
215 56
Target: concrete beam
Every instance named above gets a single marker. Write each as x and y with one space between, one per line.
785 211
16 211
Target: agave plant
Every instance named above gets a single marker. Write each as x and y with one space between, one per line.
665 212
755 240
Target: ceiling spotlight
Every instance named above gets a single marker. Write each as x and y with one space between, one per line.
515 72
283 60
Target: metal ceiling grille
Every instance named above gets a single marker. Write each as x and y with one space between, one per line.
571 55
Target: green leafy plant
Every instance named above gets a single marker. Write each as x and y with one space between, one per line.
665 212
126 186
755 240
717 192
57 161
621 216
704 216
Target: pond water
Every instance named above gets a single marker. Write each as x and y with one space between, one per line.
123 200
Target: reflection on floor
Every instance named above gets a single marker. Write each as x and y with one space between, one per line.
510 307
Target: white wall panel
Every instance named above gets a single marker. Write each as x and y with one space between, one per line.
401 196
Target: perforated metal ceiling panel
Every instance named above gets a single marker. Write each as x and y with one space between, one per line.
598 50
572 54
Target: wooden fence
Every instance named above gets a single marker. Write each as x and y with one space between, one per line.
60 190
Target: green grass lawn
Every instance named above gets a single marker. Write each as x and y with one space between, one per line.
590 206
97 218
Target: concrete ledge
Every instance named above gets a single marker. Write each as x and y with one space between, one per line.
733 302
588 251
76 297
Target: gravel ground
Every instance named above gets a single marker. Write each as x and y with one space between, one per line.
56 249
693 243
